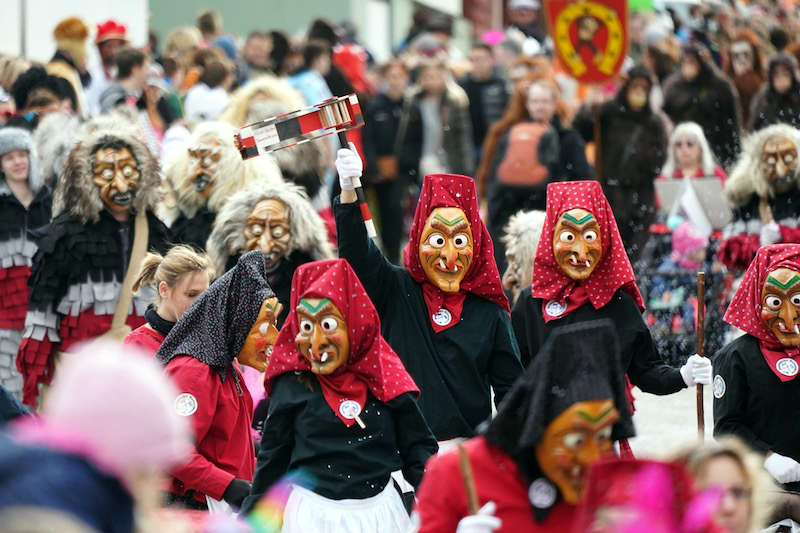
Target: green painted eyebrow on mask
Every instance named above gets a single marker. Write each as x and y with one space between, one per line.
448 223
314 309
783 286
592 420
574 220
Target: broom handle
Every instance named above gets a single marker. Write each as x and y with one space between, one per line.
362 197
701 323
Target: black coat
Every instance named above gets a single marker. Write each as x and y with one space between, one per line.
16 220
753 404
487 102
302 431
638 353
453 368
769 107
711 101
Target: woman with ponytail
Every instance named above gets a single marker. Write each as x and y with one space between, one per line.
178 279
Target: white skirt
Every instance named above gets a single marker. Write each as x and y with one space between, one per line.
308 512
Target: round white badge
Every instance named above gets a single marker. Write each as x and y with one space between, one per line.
349 409
719 387
787 367
554 308
442 317
185 404
542 493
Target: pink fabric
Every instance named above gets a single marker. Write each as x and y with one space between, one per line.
614 270
686 240
744 311
372 364
482 279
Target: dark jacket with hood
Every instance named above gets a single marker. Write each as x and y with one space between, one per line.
771 107
633 145
710 99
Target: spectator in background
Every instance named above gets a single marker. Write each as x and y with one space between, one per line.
506 53
745 67
37 93
69 61
390 166
280 52
438 114
528 148
486 91
209 22
111 37
688 155
779 98
323 30
526 16
208 98
310 79
132 71
632 147
698 92
256 53
778 38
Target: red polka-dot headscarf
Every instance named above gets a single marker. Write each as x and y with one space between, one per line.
372 364
744 311
482 279
612 273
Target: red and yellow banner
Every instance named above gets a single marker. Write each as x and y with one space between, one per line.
590 36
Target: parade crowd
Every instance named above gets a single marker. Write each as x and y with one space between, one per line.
192 339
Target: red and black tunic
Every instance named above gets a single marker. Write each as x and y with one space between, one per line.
75 283
16 254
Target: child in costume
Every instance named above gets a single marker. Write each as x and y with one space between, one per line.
763 191
521 237
756 392
110 177
24 205
581 273
178 278
204 175
530 466
232 323
444 312
342 408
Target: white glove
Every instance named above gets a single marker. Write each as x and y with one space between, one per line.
697 370
349 167
770 234
483 522
783 469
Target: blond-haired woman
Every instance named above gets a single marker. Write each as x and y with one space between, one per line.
730 466
179 278
689 155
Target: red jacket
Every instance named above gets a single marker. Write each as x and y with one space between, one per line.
443 499
146 338
221 417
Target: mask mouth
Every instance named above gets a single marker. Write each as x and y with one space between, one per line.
783 181
202 182
577 263
122 198
441 266
786 331
271 258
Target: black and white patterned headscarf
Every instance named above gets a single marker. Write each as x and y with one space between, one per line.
214 328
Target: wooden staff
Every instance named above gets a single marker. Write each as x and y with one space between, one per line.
701 325
363 205
469 481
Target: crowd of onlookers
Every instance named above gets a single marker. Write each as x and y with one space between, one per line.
695 83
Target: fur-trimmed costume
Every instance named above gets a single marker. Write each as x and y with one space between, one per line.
756 204
192 216
16 253
83 254
266 87
307 242
521 237
54 138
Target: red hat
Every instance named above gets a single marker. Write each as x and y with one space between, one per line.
110 29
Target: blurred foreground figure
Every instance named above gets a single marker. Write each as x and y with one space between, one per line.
529 467
108 428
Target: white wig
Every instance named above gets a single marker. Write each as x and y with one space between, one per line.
689 129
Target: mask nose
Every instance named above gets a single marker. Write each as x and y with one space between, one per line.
450 255
780 168
119 183
265 241
317 340
788 314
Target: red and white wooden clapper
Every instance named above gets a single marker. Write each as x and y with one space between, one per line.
335 115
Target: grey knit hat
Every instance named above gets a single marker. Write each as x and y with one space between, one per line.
19 139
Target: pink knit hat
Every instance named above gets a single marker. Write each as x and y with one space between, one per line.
686 240
121 404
